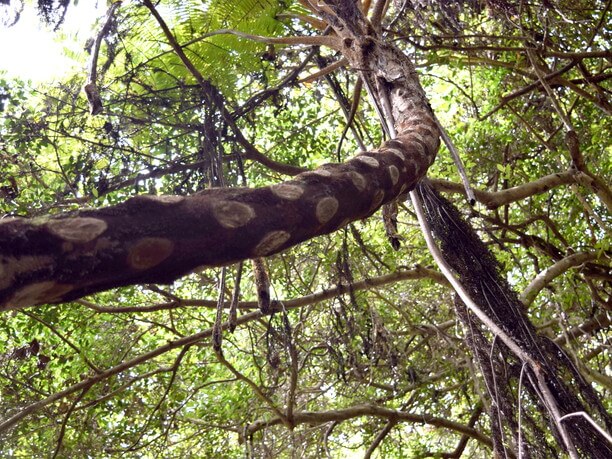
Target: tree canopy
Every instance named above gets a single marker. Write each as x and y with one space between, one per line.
202 134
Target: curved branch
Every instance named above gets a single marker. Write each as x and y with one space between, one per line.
321 417
380 437
599 322
597 185
91 88
324 71
419 272
157 239
317 40
561 266
253 154
493 200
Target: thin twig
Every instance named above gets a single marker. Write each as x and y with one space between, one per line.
217 334
324 71
91 88
380 437
263 397
62 431
458 163
233 314
419 272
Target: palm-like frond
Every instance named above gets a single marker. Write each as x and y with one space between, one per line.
218 57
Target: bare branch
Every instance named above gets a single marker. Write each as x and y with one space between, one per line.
546 276
599 322
325 71
321 417
91 88
380 437
496 199
419 272
307 40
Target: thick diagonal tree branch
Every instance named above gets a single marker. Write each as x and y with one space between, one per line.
156 239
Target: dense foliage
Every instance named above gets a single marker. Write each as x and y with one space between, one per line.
366 354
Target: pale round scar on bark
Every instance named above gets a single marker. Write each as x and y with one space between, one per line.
287 191
40 292
414 166
77 230
322 172
149 252
394 174
415 144
270 242
166 199
358 180
231 214
431 142
378 198
326 209
11 267
396 152
368 160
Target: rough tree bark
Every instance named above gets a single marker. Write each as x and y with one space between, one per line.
156 239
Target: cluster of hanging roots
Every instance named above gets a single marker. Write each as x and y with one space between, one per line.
518 409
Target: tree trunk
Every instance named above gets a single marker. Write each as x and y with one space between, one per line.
156 239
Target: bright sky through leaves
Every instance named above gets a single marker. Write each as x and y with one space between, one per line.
32 51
